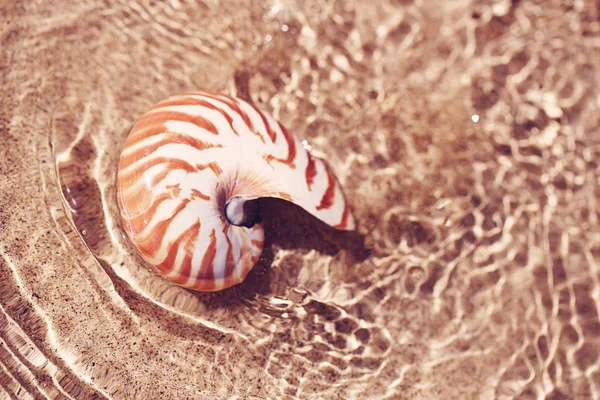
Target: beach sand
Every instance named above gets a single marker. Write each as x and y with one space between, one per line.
465 135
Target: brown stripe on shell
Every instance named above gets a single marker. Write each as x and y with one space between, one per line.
289 161
342 225
232 103
202 103
229 260
172 164
174 189
328 196
235 107
139 222
170 138
184 243
151 242
207 266
139 201
196 194
311 171
155 180
161 117
270 132
212 165
138 133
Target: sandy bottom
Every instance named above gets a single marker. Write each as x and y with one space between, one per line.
465 134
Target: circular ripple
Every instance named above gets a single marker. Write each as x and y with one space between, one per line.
465 135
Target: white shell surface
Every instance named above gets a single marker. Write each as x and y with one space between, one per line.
186 158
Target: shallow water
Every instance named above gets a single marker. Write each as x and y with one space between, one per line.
465 134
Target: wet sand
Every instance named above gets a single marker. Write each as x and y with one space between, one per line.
466 137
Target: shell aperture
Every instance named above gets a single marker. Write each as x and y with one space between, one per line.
188 173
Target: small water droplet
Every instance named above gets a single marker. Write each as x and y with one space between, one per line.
285 28
84 232
268 38
475 118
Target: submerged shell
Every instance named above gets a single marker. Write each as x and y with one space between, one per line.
186 171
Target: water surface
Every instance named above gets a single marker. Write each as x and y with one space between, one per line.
466 136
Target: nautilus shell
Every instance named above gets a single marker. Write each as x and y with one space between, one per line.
188 172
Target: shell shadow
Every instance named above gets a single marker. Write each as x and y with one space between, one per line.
291 227
288 226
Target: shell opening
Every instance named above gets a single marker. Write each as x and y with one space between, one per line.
242 212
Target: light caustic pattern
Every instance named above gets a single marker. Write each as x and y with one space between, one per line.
188 167
466 132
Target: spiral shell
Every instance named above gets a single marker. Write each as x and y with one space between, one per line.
187 171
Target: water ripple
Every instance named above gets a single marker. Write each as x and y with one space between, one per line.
465 133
